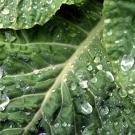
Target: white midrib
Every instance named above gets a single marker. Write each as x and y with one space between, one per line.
83 46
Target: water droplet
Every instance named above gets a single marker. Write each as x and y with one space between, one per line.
57 125
89 67
42 134
99 67
5 12
1 25
127 62
123 93
4 101
48 1
106 21
64 124
104 110
97 60
86 108
2 88
110 76
109 33
94 80
73 86
1 72
84 84
36 71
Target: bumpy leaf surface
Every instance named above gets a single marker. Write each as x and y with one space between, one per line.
20 14
35 65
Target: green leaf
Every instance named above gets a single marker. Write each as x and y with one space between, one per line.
119 41
41 75
25 14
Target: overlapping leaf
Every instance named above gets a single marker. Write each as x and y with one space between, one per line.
22 14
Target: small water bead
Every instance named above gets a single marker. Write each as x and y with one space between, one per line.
73 86
99 67
105 110
36 71
86 108
89 68
109 33
110 76
94 80
127 62
1 72
57 125
64 124
84 84
5 12
2 88
1 25
97 60
4 101
123 93
42 134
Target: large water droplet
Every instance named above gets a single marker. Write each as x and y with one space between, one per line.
4 101
110 76
86 108
84 84
5 12
127 62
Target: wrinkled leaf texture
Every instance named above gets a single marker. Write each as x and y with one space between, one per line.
63 78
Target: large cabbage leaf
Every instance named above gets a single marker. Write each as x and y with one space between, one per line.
35 64
64 78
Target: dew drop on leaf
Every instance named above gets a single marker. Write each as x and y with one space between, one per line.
89 67
123 93
56 125
99 67
4 101
127 62
5 12
64 124
48 1
104 111
86 108
1 72
94 80
84 84
110 76
97 59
